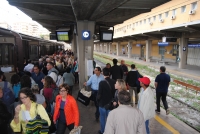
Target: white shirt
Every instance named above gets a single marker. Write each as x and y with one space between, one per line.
146 103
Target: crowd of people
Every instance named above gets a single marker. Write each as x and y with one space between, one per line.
44 89
123 99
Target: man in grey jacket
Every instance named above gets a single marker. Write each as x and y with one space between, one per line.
125 119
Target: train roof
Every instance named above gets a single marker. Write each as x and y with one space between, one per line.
10 33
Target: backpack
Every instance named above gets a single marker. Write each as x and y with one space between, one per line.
16 89
8 96
59 79
54 94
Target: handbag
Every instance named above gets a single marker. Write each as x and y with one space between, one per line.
84 96
37 125
76 130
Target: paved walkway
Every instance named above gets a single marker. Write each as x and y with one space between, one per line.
191 72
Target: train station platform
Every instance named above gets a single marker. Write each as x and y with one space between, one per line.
161 124
191 72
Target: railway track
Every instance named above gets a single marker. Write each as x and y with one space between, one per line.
181 110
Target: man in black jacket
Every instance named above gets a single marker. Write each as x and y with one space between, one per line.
133 83
105 96
116 71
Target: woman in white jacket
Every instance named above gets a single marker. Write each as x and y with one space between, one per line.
146 101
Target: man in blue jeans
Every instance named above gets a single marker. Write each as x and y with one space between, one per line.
162 82
94 82
104 98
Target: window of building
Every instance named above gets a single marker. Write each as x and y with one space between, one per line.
194 6
175 50
133 25
166 14
149 20
160 16
174 12
154 18
183 9
161 50
140 22
144 21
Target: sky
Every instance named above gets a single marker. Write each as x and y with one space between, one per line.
12 14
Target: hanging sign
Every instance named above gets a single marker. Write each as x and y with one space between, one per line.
193 45
163 43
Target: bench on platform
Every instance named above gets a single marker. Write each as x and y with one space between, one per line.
188 86
162 62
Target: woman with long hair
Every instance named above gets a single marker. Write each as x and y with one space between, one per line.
120 85
49 85
66 110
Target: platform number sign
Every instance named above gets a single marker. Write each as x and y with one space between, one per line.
184 48
85 35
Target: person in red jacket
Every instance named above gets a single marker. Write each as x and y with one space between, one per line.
66 111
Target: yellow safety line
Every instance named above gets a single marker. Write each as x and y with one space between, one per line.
165 124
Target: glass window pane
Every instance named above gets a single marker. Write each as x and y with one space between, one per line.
183 9
194 6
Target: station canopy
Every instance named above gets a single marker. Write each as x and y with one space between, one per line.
53 14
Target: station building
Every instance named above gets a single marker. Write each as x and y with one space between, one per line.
169 33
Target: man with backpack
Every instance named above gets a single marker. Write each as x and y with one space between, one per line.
133 84
54 74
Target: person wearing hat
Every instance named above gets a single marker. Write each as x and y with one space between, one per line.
146 101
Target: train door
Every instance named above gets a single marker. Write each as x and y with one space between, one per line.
142 51
162 52
25 48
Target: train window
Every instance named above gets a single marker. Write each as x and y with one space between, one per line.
33 49
33 52
6 54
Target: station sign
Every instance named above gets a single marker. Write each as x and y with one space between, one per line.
193 45
138 45
85 35
163 43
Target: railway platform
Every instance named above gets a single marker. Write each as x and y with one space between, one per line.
161 124
191 72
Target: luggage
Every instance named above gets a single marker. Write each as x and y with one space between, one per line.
84 96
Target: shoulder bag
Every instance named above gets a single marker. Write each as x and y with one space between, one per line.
37 125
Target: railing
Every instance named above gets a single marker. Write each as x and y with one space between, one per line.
187 86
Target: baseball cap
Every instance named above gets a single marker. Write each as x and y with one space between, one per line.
145 80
